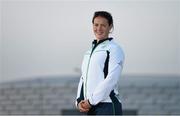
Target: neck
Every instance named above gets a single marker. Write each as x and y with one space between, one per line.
102 39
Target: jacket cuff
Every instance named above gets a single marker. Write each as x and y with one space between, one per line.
91 101
78 100
76 104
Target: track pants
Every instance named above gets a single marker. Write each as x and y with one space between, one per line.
106 109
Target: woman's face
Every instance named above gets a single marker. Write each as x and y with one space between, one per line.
101 28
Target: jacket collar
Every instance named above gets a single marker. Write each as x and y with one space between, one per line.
100 41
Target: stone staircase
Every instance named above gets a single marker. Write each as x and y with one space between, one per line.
55 95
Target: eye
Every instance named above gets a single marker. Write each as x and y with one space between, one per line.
103 25
95 25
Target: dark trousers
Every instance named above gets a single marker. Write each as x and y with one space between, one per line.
106 109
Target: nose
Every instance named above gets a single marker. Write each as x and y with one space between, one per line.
99 28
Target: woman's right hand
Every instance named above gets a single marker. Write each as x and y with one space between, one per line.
81 106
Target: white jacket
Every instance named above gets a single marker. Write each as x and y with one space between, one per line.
101 70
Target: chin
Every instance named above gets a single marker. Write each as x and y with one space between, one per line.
100 37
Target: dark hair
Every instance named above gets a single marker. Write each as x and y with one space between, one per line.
105 15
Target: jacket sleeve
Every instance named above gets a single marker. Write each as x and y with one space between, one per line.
103 90
80 95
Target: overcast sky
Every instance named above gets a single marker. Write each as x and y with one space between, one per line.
49 38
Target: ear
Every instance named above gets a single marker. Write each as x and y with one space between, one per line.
110 27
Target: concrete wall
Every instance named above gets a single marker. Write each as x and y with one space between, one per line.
49 37
0 40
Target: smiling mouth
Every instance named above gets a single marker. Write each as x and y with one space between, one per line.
99 33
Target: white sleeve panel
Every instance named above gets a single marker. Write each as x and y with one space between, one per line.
104 88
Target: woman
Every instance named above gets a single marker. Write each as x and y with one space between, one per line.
101 68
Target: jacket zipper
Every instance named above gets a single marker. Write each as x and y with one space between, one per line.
85 84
